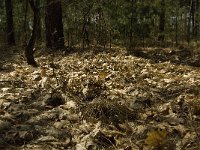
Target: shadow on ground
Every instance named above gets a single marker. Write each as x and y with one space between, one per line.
9 55
183 56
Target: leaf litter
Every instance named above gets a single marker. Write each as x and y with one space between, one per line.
99 100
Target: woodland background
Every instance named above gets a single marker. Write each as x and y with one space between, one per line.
130 23
100 74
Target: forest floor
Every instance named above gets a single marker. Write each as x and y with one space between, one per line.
113 99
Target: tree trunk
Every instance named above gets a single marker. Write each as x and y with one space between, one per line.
161 36
29 48
189 23
54 25
68 38
176 26
10 26
39 30
196 32
131 33
131 27
193 11
176 34
110 39
85 32
25 20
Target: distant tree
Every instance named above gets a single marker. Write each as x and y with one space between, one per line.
86 24
131 23
196 31
10 27
54 24
194 12
190 19
161 36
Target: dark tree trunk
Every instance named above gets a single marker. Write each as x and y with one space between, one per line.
189 23
54 24
25 19
85 32
29 48
131 27
110 39
196 32
133 20
161 36
39 30
68 38
176 27
131 33
10 26
193 11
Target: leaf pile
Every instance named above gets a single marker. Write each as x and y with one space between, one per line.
105 100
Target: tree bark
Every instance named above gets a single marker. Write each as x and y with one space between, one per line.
161 36
29 48
85 32
176 32
110 39
10 27
189 23
39 30
176 26
131 32
131 27
54 24
196 32
193 11
25 19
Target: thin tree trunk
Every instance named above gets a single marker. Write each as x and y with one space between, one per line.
143 40
197 20
30 46
110 40
176 27
39 30
25 20
131 33
185 36
176 34
161 36
54 25
85 34
68 38
131 27
189 23
99 26
193 17
10 27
